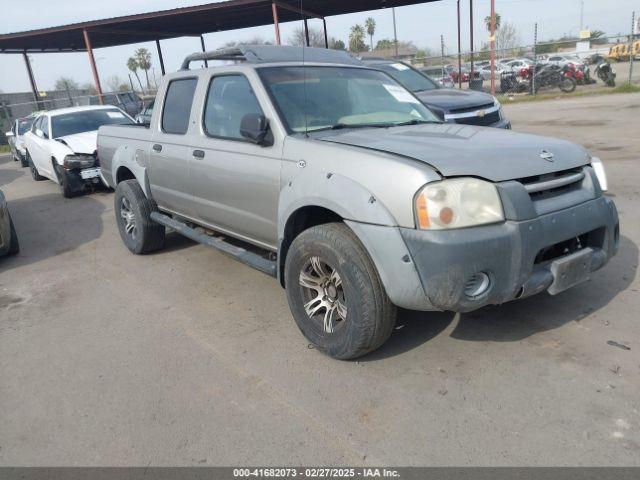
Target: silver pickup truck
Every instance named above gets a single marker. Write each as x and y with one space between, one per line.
343 185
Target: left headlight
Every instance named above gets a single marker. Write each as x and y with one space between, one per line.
79 161
598 168
457 203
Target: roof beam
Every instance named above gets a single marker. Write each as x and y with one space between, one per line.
306 13
144 33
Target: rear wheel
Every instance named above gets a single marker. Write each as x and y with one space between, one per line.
335 294
133 214
34 171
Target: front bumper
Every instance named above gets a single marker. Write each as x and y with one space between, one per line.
509 253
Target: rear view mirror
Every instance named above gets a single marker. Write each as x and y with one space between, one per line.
255 128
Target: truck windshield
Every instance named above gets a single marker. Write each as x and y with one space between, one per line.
86 121
407 76
313 98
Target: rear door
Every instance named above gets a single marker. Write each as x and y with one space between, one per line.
235 182
38 144
170 151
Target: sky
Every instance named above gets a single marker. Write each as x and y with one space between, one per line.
422 24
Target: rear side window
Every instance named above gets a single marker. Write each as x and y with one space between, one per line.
229 99
177 106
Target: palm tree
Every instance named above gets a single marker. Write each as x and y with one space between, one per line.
143 57
356 39
370 25
487 22
132 64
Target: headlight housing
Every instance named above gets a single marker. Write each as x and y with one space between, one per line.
79 161
457 203
598 168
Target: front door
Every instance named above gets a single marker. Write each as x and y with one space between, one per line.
236 183
170 154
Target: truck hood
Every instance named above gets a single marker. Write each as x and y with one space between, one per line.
85 142
461 150
451 99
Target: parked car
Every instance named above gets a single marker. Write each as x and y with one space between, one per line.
128 102
61 145
485 71
144 116
439 75
8 237
521 67
564 60
353 194
453 106
16 138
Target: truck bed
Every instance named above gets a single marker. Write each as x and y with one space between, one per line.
126 140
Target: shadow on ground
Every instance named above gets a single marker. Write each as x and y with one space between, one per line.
9 174
47 227
518 320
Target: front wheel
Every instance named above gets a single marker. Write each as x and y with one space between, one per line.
335 294
567 85
133 215
14 246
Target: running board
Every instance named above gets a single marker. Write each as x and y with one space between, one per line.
249 258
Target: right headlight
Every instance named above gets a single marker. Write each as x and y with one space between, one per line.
457 203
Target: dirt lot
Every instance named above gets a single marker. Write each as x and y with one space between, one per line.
186 357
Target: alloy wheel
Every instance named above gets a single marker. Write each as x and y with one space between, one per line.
129 217
323 294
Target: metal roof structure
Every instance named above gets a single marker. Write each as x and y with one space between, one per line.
183 22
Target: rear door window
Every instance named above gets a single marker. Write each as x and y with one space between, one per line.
177 106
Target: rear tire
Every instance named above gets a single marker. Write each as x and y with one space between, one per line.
14 246
34 171
133 211
335 294
568 85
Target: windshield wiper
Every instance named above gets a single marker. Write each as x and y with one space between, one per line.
341 126
414 122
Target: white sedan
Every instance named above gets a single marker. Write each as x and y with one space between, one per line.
61 146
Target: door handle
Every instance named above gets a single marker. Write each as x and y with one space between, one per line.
198 153
157 147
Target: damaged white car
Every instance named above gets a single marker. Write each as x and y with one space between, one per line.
61 146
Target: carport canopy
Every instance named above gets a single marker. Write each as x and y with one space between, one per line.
180 22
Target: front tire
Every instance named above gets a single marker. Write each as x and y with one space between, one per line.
63 181
335 294
568 85
24 163
133 210
14 246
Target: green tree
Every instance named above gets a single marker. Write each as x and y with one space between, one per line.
487 22
132 64
143 57
384 44
356 39
370 25
337 45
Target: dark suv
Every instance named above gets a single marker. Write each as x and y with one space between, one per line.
451 105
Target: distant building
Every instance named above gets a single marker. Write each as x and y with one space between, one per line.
404 53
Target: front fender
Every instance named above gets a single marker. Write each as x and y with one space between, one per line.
338 193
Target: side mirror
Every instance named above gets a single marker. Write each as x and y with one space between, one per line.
255 128
9 134
39 133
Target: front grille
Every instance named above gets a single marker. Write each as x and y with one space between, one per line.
593 239
486 106
488 119
553 184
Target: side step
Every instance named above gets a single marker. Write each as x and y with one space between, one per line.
249 258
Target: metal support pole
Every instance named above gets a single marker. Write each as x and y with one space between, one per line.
160 56
32 80
395 31
276 24
459 50
326 37
442 55
492 47
92 60
471 39
633 29
306 32
204 49
535 59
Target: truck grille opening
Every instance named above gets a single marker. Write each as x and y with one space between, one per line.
593 239
475 108
553 184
